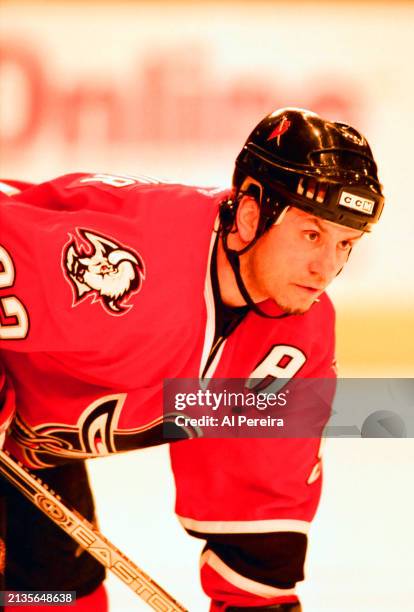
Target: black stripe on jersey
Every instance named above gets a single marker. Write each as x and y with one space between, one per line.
275 559
227 317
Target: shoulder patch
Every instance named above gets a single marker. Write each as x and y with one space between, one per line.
100 267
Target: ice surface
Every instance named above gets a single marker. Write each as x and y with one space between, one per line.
360 556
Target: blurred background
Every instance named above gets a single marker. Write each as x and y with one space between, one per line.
171 90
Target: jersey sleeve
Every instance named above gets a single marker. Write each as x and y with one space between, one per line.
250 501
35 314
13 187
41 272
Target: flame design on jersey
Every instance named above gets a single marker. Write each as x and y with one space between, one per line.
96 433
104 269
91 436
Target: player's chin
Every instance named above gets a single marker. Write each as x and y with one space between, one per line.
295 306
294 311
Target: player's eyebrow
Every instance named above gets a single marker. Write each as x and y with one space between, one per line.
316 221
323 230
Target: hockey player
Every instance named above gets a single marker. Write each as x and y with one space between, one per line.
112 284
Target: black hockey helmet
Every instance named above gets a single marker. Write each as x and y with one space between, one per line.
293 157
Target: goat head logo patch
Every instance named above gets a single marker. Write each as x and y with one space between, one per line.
98 267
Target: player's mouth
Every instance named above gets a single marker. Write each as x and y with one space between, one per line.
311 291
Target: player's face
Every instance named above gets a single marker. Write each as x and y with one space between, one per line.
296 260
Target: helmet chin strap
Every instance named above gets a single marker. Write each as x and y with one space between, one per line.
233 258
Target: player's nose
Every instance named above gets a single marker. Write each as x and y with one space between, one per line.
324 264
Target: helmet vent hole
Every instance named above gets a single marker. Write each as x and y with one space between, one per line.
322 189
301 188
310 189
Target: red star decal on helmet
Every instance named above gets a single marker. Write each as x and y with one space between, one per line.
280 129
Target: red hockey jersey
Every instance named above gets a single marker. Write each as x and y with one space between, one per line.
105 292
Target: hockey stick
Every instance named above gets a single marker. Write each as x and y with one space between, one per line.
88 536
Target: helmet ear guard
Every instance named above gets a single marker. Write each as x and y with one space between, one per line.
228 224
228 210
269 204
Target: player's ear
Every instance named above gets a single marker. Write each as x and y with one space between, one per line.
248 213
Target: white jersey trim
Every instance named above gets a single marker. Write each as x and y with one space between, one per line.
211 317
245 584
8 189
264 526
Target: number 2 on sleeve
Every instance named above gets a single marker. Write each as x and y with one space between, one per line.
10 305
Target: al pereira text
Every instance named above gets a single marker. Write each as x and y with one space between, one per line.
228 421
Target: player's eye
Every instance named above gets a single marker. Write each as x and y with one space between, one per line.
312 235
345 245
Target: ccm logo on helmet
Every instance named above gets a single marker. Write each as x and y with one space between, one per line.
356 202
